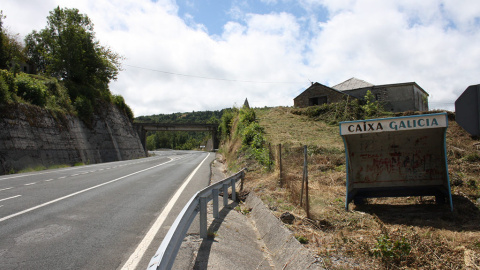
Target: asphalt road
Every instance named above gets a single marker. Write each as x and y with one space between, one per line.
96 216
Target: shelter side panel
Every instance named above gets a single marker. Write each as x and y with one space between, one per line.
407 158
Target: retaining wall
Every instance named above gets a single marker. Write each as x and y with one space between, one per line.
32 136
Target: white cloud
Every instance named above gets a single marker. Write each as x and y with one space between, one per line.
391 43
432 42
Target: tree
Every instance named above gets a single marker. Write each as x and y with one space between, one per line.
11 49
3 53
67 49
372 107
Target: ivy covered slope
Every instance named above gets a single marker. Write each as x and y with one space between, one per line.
55 104
70 69
244 141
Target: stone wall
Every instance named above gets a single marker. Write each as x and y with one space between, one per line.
31 136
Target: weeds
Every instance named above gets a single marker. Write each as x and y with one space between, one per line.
391 251
33 169
302 239
212 234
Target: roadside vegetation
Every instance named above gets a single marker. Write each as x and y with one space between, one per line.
68 70
386 233
245 144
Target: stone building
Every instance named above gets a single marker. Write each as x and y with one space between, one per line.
397 97
318 94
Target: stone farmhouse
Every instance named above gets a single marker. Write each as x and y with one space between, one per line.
397 97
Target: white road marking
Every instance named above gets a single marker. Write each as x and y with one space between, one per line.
137 255
6 188
29 184
62 177
10 198
33 174
75 174
76 193
48 180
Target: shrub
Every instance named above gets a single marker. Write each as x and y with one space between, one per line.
4 94
119 101
31 90
250 132
371 107
226 122
84 108
9 79
390 251
472 157
246 116
302 239
7 86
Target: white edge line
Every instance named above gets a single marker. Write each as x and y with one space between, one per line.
66 169
76 193
10 198
137 255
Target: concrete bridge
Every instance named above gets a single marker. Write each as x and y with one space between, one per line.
142 129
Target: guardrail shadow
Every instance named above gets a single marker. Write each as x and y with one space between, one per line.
465 215
201 262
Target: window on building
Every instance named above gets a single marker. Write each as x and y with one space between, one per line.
317 100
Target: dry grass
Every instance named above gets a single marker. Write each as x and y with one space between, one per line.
438 238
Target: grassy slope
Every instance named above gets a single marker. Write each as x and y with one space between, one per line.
436 237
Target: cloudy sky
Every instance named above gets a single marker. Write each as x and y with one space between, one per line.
193 55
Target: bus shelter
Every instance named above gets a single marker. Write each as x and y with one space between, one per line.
397 157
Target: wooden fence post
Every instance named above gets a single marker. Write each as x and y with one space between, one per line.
305 182
280 163
305 164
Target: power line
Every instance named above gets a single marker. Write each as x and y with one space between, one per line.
208 78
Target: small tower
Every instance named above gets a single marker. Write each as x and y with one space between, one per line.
245 104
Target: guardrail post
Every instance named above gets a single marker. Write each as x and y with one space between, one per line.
203 217
234 195
215 202
242 179
225 194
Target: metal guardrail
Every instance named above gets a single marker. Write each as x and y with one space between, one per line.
167 252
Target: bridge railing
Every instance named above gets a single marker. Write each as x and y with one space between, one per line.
167 252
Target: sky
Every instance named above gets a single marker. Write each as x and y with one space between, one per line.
188 55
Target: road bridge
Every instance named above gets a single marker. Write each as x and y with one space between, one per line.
142 129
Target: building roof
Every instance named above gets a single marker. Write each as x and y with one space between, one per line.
352 83
316 84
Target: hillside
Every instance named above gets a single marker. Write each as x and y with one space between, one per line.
387 233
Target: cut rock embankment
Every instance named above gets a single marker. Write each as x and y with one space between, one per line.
31 136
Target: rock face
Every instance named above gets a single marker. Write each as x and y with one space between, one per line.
31 136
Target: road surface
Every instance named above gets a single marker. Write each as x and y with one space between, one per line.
96 216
